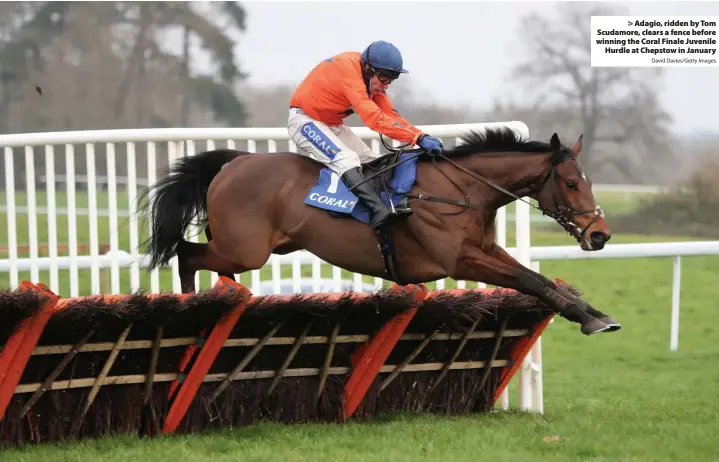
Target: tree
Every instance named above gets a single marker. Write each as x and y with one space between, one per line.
618 108
25 28
117 58
212 27
112 65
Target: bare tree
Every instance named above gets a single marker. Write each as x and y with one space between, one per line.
618 108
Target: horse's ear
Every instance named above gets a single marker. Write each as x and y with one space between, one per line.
554 143
577 146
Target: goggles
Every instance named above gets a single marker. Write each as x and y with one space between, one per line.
385 76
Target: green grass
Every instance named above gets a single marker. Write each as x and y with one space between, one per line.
621 396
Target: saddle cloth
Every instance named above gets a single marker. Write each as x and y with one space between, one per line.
330 193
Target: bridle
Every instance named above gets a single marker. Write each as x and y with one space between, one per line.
563 213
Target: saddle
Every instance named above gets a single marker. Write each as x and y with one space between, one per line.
380 183
392 185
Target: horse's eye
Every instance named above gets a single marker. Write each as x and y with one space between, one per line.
572 185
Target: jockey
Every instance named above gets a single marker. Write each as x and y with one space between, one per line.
336 88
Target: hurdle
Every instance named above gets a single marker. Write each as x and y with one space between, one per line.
155 364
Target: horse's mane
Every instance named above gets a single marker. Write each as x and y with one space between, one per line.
501 139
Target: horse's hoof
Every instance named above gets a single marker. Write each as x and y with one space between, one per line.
594 326
611 322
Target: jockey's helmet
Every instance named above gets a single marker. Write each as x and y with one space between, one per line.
384 58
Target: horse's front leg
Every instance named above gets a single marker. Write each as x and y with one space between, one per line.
475 265
500 254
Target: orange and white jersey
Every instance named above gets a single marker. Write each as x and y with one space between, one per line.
335 88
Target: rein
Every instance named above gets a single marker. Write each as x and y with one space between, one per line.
560 216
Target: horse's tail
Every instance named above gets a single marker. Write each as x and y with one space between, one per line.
178 199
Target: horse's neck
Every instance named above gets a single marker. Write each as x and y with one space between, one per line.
515 172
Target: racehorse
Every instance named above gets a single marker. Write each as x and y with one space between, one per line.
251 205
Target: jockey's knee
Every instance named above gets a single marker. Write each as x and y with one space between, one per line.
340 166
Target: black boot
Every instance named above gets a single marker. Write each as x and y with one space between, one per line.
379 212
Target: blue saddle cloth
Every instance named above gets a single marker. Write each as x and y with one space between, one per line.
330 192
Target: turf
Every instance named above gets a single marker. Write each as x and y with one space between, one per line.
620 396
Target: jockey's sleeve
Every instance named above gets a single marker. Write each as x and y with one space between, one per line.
375 118
384 103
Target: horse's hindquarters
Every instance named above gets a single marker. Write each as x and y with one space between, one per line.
244 204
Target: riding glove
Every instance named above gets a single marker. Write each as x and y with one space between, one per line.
430 144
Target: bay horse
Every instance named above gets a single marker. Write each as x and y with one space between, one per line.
251 205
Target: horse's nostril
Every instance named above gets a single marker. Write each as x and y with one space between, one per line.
598 237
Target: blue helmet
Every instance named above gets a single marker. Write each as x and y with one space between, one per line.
385 56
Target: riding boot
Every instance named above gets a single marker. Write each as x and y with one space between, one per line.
379 212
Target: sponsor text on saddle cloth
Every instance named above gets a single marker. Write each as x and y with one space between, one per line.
330 192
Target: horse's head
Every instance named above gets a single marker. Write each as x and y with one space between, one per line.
566 195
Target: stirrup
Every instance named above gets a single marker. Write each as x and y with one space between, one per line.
402 208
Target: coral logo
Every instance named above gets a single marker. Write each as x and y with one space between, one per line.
319 140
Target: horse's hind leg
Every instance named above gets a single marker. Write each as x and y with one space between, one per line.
208 234
193 257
